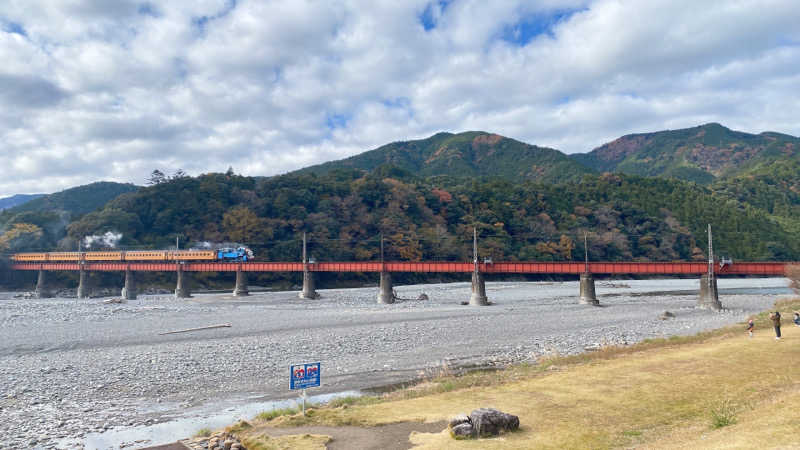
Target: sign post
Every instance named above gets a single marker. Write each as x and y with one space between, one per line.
302 376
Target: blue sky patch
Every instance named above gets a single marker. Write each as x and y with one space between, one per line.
202 21
334 121
399 102
147 9
13 27
433 11
531 26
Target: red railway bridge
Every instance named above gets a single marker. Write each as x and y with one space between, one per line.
611 268
707 272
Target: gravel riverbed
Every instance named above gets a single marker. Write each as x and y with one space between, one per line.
73 367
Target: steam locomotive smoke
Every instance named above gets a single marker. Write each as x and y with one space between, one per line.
205 245
108 240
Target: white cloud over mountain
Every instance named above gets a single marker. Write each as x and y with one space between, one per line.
93 90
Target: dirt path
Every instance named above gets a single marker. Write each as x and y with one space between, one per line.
384 437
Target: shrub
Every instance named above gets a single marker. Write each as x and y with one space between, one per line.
723 414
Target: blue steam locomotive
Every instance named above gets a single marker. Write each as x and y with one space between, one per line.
234 254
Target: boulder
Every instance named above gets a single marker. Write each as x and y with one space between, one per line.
489 421
666 315
423 297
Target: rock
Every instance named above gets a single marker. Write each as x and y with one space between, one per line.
462 430
666 315
423 297
458 420
489 421
227 444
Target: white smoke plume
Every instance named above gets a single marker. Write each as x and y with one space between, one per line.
109 239
205 245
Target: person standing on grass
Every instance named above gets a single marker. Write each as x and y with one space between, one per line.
750 326
776 322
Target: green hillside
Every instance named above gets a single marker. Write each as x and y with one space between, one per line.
345 212
78 200
41 223
701 154
469 154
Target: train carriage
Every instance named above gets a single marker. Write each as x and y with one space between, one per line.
30 257
146 255
64 256
192 255
102 256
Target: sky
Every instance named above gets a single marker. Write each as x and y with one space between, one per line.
111 90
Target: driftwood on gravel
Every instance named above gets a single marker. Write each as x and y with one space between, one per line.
224 325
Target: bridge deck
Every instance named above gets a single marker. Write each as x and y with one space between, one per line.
650 268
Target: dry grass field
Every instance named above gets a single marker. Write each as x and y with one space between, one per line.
716 390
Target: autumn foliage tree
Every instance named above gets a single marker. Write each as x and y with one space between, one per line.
20 235
240 224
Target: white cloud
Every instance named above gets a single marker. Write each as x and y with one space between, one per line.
112 90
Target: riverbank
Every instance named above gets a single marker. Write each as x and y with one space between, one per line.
75 370
719 389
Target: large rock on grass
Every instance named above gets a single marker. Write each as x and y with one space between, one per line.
482 422
489 421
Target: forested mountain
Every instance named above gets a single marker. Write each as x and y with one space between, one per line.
345 212
701 154
76 201
469 154
41 223
18 199
426 204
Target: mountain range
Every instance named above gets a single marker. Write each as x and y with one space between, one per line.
701 154
643 196
17 199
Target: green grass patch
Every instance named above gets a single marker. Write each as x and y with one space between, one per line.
203 432
275 413
352 400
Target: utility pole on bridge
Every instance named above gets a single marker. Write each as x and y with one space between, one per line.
709 296
587 292
386 293
308 291
478 296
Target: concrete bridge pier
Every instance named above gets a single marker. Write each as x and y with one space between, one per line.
709 296
182 289
129 290
308 291
240 290
42 291
588 296
478 296
83 284
386 295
